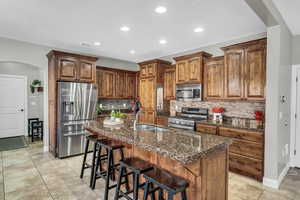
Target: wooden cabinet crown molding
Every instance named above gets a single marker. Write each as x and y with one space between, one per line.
262 41
193 55
156 61
61 53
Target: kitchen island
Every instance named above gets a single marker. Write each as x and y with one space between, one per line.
201 159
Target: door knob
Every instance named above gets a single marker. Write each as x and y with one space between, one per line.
22 110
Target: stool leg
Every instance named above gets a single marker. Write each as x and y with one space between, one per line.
84 157
146 190
113 175
136 179
42 133
152 194
160 194
108 175
170 196
93 170
119 183
126 176
183 195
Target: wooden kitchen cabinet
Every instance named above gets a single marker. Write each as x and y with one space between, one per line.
151 74
255 72
75 68
162 120
204 128
214 78
189 68
234 79
120 85
170 83
245 70
116 84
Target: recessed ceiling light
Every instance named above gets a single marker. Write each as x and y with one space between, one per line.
163 41
198 30
97 43
132 51
160 9
125 28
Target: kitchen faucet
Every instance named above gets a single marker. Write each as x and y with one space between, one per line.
137 110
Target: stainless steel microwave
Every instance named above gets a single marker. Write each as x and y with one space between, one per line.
191 92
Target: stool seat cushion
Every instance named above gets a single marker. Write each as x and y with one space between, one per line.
137 164
167 180
95 138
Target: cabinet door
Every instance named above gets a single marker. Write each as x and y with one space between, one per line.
169 84
255 72
99 78
143 88
147 93
195 70
181 71
214 79
120 86
131 85
143 71
67 69
107 81
86 71
234 64
150 117
151 69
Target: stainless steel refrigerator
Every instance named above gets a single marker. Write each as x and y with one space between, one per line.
76 105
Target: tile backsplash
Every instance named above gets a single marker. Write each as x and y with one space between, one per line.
110 104
236 109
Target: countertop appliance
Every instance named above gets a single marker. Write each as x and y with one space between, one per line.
192 92
188 117
76 105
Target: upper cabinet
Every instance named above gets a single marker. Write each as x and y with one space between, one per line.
245 70
214 78
116 84
189 68
170 83
73 67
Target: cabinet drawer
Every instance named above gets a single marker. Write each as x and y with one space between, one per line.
246 166
206 128
253 136
246 148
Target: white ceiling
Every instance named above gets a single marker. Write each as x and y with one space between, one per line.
290 11
66 23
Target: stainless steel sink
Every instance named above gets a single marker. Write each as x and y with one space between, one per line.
151 128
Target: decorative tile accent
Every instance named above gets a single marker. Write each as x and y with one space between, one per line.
237 109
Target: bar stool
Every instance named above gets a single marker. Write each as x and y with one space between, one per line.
96 139
165 182
137 167
37 130
29 124
109 174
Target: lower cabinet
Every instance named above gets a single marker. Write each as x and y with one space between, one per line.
162 121
246 153
147 117
203 128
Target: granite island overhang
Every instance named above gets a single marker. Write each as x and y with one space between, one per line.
202 159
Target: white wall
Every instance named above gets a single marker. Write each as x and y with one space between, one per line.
296 50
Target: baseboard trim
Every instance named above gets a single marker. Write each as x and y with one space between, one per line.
46 148
275 183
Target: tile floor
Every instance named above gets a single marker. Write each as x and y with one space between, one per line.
31 174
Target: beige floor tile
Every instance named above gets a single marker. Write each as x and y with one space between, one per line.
38 193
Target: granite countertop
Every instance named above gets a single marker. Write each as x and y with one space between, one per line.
245 124
181 145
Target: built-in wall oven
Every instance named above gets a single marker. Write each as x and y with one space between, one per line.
191 92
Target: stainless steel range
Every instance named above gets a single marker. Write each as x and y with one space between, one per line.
188 117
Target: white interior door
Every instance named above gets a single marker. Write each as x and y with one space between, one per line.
12 105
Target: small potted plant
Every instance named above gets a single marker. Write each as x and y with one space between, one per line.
118 115
36 84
